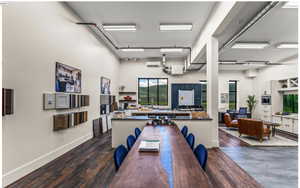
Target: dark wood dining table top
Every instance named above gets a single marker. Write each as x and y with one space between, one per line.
175 165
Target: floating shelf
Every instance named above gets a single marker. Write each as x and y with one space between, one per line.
288 89
127 92
123 100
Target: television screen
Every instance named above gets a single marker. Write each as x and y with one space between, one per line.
266 100
67 79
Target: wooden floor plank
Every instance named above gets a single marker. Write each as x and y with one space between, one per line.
91 165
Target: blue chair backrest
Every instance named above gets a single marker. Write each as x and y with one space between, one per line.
191 140
184 131
130 141
137 132
201 155
243 110
119 155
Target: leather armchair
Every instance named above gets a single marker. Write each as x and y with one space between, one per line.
253 127
229 122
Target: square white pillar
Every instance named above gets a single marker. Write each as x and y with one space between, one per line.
212 72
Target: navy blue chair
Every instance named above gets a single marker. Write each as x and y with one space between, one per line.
242 113
184 131
137 132
130 141
201 155
191 140
119 156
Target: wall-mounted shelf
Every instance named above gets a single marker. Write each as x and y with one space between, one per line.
127 92
288 89
122 100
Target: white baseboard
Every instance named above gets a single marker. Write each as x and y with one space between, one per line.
25 169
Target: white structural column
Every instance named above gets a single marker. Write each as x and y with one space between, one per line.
212 72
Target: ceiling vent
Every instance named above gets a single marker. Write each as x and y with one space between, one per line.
153 64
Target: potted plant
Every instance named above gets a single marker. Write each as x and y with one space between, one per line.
251 102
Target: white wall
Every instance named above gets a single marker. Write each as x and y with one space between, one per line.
132 70
263 81
36 35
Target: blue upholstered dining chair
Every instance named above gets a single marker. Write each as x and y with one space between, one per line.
119 155
184 131
242 113
137 132
130 141
191 140
201 155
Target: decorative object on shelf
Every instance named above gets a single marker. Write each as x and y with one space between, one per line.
127 98
7 101
64 121
251 103
49 101
105 85
62 101
266 100
121 88
67 79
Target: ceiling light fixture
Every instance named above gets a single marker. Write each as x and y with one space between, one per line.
290 4
132 49
287 45
164 50
120 27
250 45
175 27
227 62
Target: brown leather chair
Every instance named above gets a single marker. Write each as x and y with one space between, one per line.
253 127
229 122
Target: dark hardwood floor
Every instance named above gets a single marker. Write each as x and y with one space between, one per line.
227 140
91 165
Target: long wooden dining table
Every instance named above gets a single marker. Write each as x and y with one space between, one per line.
175 165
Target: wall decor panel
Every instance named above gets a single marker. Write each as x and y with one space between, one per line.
7 101
62 101
61 121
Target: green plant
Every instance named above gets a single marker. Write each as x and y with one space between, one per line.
251 102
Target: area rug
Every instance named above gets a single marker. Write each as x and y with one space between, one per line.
274 141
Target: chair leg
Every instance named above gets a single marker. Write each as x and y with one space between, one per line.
240 135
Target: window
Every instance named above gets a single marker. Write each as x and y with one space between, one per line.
232 94
153 91
290 103
203 94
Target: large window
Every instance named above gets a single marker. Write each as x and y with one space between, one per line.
153 91
290 103
232 94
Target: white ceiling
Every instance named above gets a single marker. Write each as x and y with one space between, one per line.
147 16
279 25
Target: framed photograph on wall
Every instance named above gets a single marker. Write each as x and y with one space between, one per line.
62 101
67 79
105 85
49 101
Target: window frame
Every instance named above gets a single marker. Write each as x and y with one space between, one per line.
157 93
235 92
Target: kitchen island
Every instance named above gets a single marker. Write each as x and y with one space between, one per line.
124 125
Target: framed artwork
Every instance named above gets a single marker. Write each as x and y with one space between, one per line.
62 101
67 79
49 101
224 98
105 85
7 101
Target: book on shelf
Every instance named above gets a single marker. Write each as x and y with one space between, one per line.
149 145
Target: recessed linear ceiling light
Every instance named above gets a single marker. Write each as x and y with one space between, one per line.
171 50
250 45
132 49
175 27
287 45
110 27
290 4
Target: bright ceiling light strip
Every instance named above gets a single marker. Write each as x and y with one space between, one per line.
287 46
175 27
227 62
133 49
290 4
119 27
171 50
250 45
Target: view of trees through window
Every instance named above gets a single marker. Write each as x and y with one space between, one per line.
232 94
290 103
153 91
